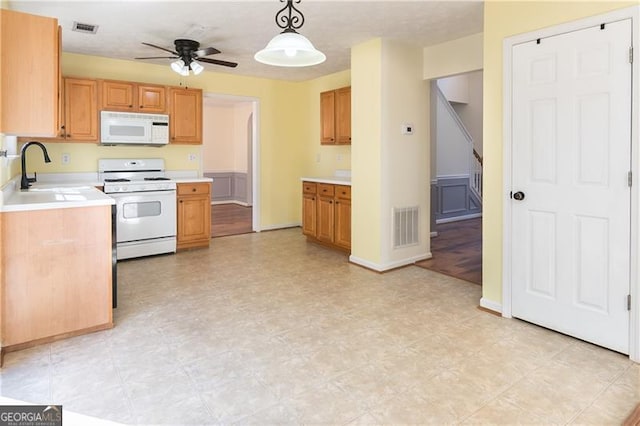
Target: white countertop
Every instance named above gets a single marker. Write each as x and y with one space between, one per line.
47 196
68 190
336 180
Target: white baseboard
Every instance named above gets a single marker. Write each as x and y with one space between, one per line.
280 226
491 305
457 218
390 265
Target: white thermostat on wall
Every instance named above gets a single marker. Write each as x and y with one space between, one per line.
407 129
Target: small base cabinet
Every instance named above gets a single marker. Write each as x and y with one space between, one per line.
326 214
194 215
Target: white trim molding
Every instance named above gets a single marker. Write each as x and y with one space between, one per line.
632 13
389 265
458 218
491 305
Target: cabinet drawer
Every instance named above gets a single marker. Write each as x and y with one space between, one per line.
326 189
193 188
308 187
343 191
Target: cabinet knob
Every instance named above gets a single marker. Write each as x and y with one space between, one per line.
130 106
193 190
181 200
141 106
330 202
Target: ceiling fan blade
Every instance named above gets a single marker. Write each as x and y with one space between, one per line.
218 62
161 48
159 57
206 52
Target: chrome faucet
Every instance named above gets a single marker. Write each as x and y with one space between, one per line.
25 183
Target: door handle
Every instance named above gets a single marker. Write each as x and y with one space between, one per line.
518 196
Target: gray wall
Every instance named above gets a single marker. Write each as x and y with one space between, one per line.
229 186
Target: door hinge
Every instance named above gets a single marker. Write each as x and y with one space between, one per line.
629 178
628 302
631 55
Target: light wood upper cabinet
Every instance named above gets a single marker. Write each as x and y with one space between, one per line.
335 117
152 99
117 95
343 115
128 96
80 110
30 74
327 118
185 116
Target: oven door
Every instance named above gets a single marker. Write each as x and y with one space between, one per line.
145 215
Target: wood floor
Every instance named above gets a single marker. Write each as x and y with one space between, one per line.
230 219
457 250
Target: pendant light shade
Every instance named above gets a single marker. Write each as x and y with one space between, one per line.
290 49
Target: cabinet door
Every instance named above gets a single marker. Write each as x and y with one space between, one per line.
309 214
343 115
343 223
325 219
152 99
185 115
29 76
118 96
194 219
80 110
327 118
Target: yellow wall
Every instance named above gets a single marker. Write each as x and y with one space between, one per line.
284 125
366 140
501 20
405 158
453 57
323 160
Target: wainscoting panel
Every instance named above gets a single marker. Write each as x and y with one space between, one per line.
454 198
228 186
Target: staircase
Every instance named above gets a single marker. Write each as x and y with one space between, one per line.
459 193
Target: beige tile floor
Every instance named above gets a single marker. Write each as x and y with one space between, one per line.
268 329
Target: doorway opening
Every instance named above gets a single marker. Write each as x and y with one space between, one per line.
230 158
456 177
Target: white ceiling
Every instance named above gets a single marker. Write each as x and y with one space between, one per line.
242 27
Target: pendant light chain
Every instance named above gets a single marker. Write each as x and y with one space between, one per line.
286 19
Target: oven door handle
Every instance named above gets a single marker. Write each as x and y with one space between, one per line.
139 193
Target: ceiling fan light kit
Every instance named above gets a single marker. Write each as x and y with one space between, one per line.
289 48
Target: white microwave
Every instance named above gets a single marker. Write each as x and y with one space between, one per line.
118 128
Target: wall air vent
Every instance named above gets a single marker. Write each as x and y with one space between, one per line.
405 226
84 28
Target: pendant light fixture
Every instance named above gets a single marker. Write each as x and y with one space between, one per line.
289 48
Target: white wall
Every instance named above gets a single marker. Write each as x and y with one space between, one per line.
452 150
453 57
470 112
456 88
224 133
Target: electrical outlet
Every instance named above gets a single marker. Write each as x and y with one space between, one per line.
192 157
339 158
66 158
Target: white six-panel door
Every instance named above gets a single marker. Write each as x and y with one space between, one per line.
571 144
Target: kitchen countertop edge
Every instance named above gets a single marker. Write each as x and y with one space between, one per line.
331 180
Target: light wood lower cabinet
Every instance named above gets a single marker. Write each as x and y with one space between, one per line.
194 215
56 274
326 214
